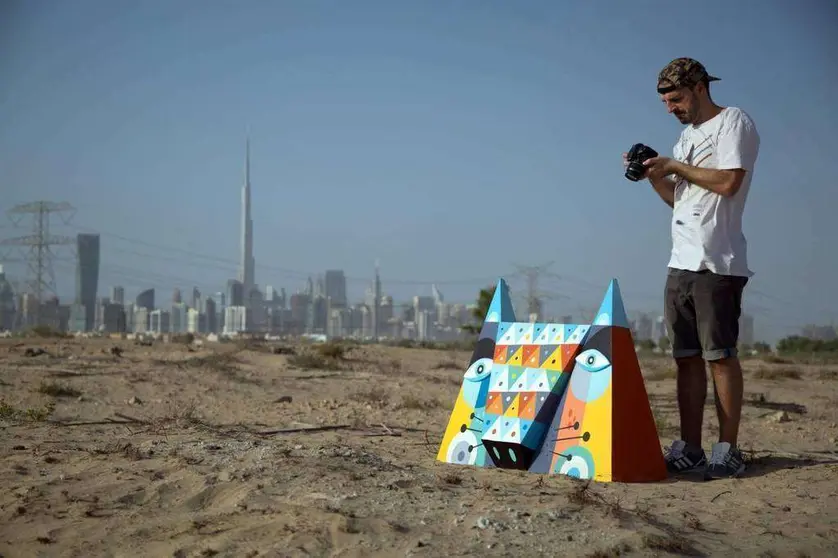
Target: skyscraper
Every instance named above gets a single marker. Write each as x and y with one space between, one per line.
118 295
335 282
87 276
145 299
247 268
376 305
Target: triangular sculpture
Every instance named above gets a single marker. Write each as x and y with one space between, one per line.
556 398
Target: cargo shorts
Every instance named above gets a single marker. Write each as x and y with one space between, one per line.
702 311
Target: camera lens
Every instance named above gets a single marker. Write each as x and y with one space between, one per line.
635 171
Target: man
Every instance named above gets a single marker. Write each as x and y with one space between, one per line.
706 183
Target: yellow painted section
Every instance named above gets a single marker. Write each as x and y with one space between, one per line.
459 416
516 359
557 356
512 410
598 421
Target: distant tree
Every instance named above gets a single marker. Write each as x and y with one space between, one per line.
478 313
762 347
664 344
800 344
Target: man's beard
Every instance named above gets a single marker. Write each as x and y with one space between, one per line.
684 117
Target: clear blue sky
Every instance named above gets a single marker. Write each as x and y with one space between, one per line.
451 139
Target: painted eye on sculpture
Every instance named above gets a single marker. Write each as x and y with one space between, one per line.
479 370
462 449
593 360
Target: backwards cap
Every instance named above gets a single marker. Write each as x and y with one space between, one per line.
682 72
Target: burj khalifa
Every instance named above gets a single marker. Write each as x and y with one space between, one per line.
248 264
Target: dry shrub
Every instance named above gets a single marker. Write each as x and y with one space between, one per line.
184 338
665 373
619 549
325 356
220 362
389 366
662 424
46 332
10 413
827 374
778 373
774 359
178 416
447 364
670 542
376 395
413 402
313 361
581 494
55 389
127 449
333 350
451 477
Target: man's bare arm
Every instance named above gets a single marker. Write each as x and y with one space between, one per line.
665 188
725 182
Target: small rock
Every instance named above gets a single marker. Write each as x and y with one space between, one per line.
135 401
780 416
482 523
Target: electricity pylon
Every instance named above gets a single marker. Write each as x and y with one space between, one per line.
36 248
534 297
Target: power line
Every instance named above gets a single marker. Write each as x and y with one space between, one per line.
225 264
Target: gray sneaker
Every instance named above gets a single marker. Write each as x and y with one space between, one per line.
681 459
725 462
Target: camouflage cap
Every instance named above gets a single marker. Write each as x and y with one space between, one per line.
682 72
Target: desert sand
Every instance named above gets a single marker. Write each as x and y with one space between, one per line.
232 450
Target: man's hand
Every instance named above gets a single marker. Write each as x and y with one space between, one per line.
626 164
660 167
657 170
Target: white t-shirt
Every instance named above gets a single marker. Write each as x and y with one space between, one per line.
707 227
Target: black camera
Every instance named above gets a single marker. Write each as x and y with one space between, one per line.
636 156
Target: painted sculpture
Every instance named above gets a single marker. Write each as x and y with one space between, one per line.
556 399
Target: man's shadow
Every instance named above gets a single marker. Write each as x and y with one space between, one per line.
762 465
765 465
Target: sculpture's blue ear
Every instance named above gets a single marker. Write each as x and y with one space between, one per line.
611 311
500 310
